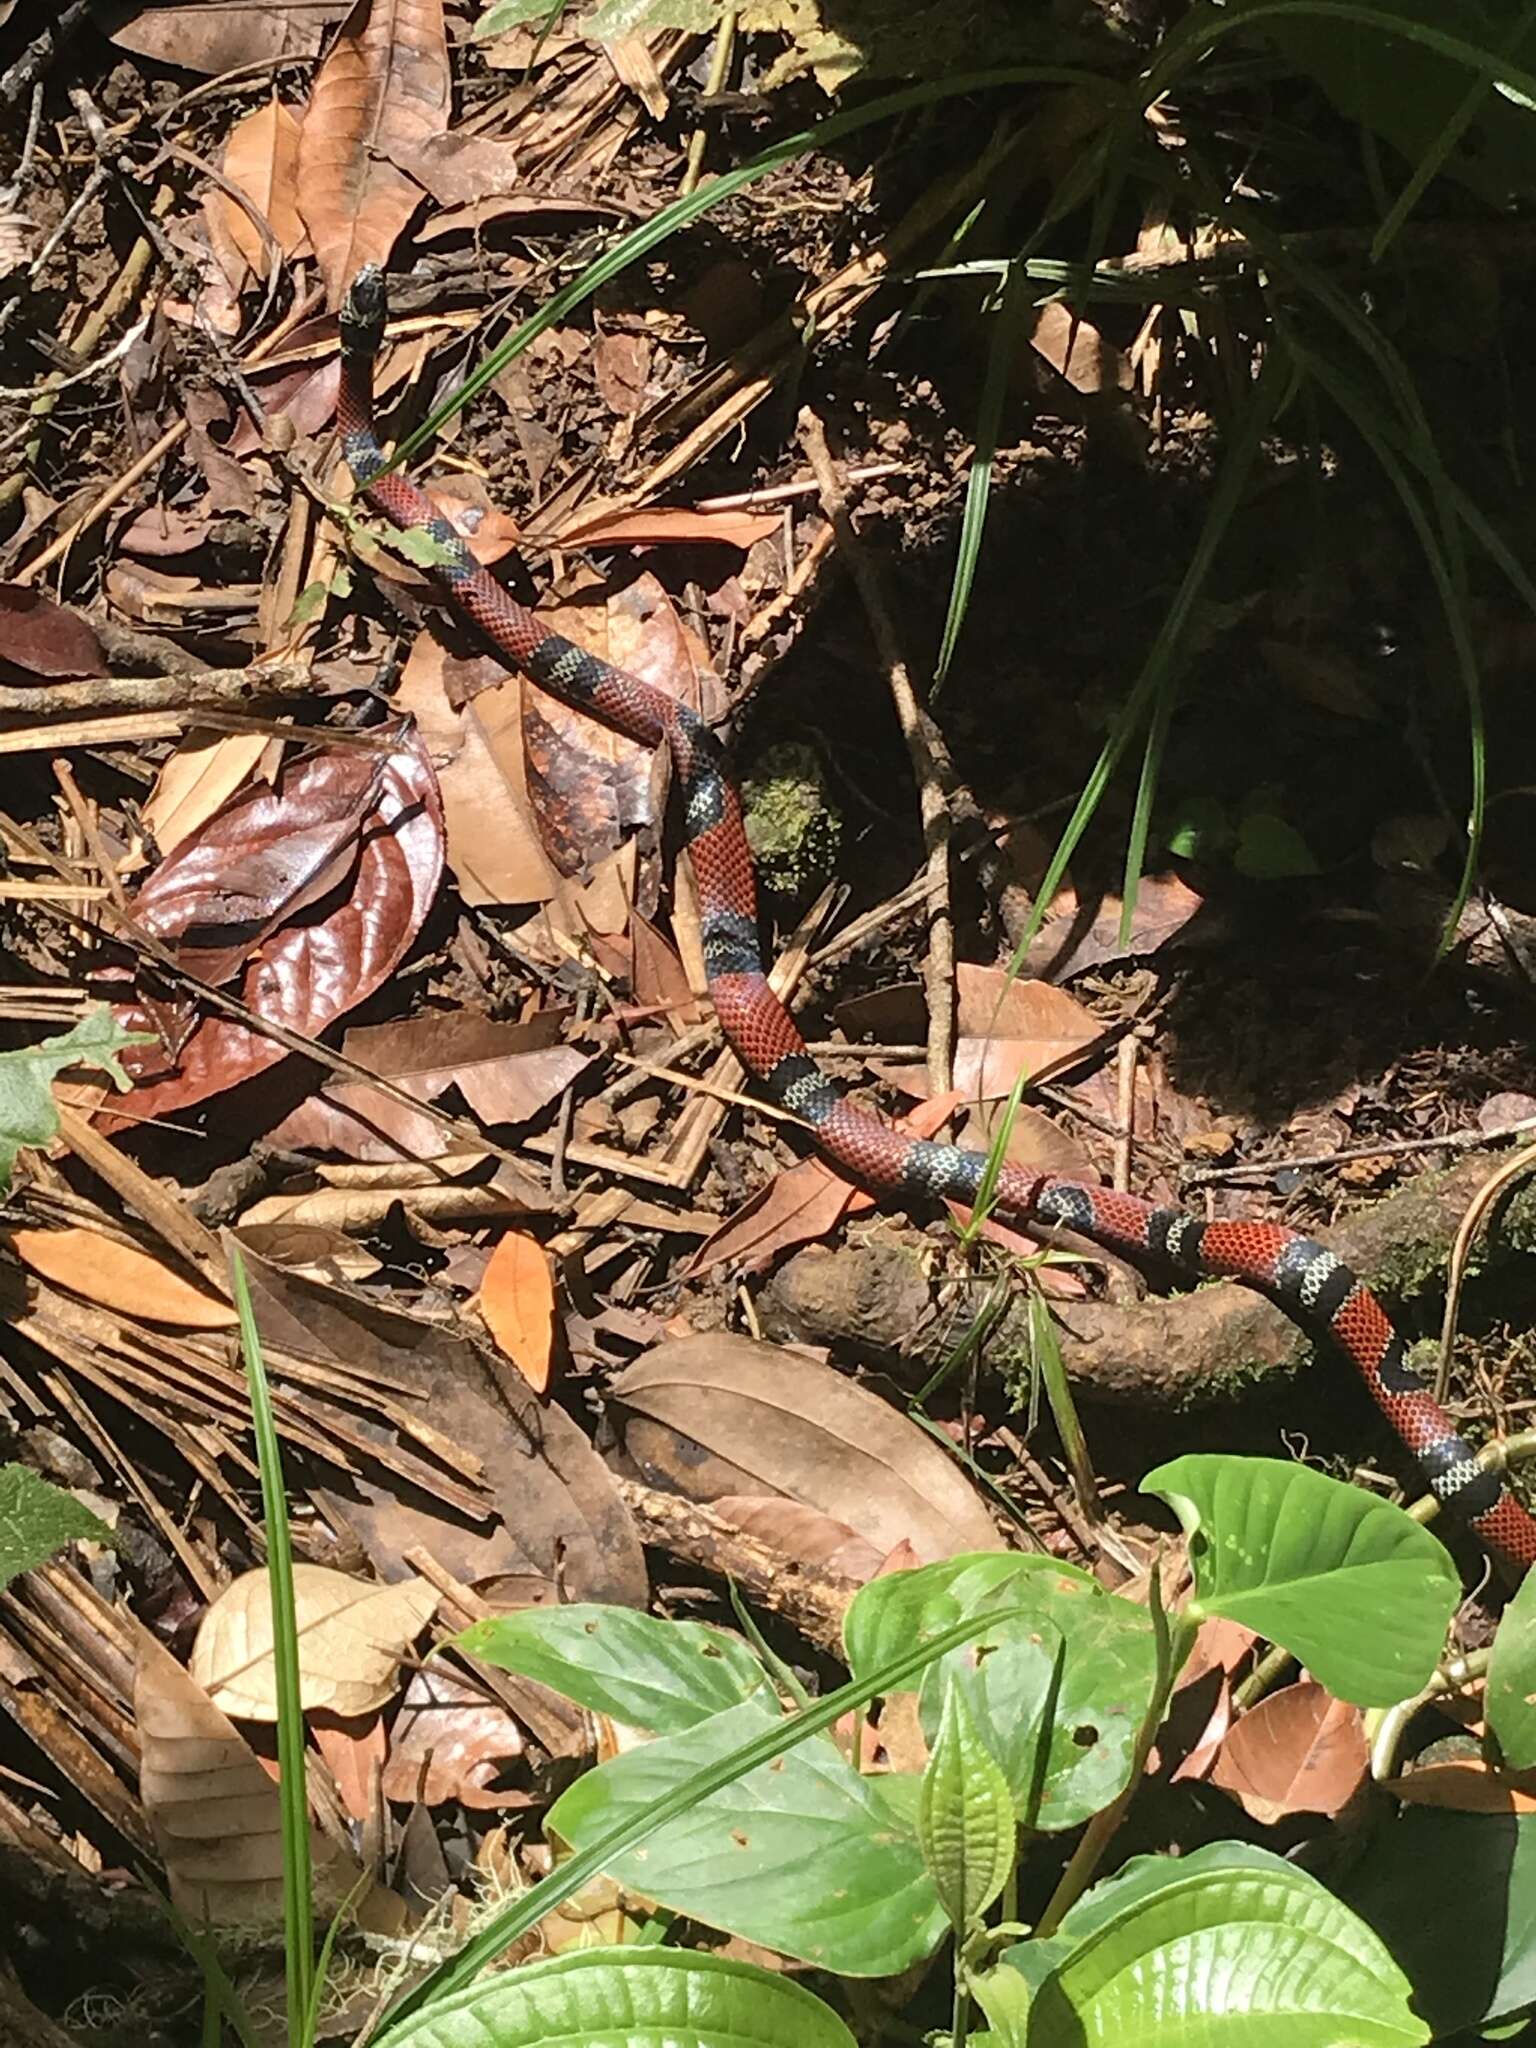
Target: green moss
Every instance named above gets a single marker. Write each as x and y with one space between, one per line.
792 827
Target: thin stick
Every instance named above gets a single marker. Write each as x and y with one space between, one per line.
1519 1163
1449 1141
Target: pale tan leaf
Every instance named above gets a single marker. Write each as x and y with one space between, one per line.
517 1300
213 1807
807 1536
385 85
120 1277
352 1635
203 772
261 159
227 37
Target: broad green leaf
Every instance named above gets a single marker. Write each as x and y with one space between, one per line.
1225 1959
629 1998
966 1826
1510 1699
27 1112
1453 1895
1270 850
661 1675
1352 1586
1075 1674
802 1855
37 1520
616 18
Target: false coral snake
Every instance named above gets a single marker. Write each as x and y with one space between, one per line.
1316 1289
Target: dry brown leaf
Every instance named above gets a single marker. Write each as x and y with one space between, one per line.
707 1416
212 1805
198 778
1076 350
811 1538
449 1744
386 85
458 169
492 842
517 1300
1007 1026
1077 935
227 37
120 1277
352 1635
261 159
1298 1751
659 524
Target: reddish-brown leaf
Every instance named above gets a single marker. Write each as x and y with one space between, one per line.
315 969
41 638
1465 1785
354 1747
517 1300
449 1744
1298 1751
805 1535
267 854
385 86
120 1276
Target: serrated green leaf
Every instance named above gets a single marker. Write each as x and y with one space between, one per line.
660 1675
1229 1957
37 1520
629 1998
966 1825
803 1855
1356 1589
1510 1699
1058 1695
27 1112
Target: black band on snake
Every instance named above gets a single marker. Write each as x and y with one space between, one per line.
1307 1281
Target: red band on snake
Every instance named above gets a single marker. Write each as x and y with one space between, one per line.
1306 1280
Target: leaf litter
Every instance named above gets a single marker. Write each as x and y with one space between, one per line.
483 887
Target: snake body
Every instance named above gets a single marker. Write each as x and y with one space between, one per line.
1314 1287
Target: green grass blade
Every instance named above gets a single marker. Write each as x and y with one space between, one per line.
1433 159
1206 27
1007 332
293 1790
220 1998
521 1914
1276 381
1046 1353
650 234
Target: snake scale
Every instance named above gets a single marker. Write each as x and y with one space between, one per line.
1314 1287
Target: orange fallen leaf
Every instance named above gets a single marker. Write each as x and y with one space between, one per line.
1299 1751
517 1300
1465 1785
119 1277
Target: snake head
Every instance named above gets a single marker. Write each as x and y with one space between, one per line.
363 310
